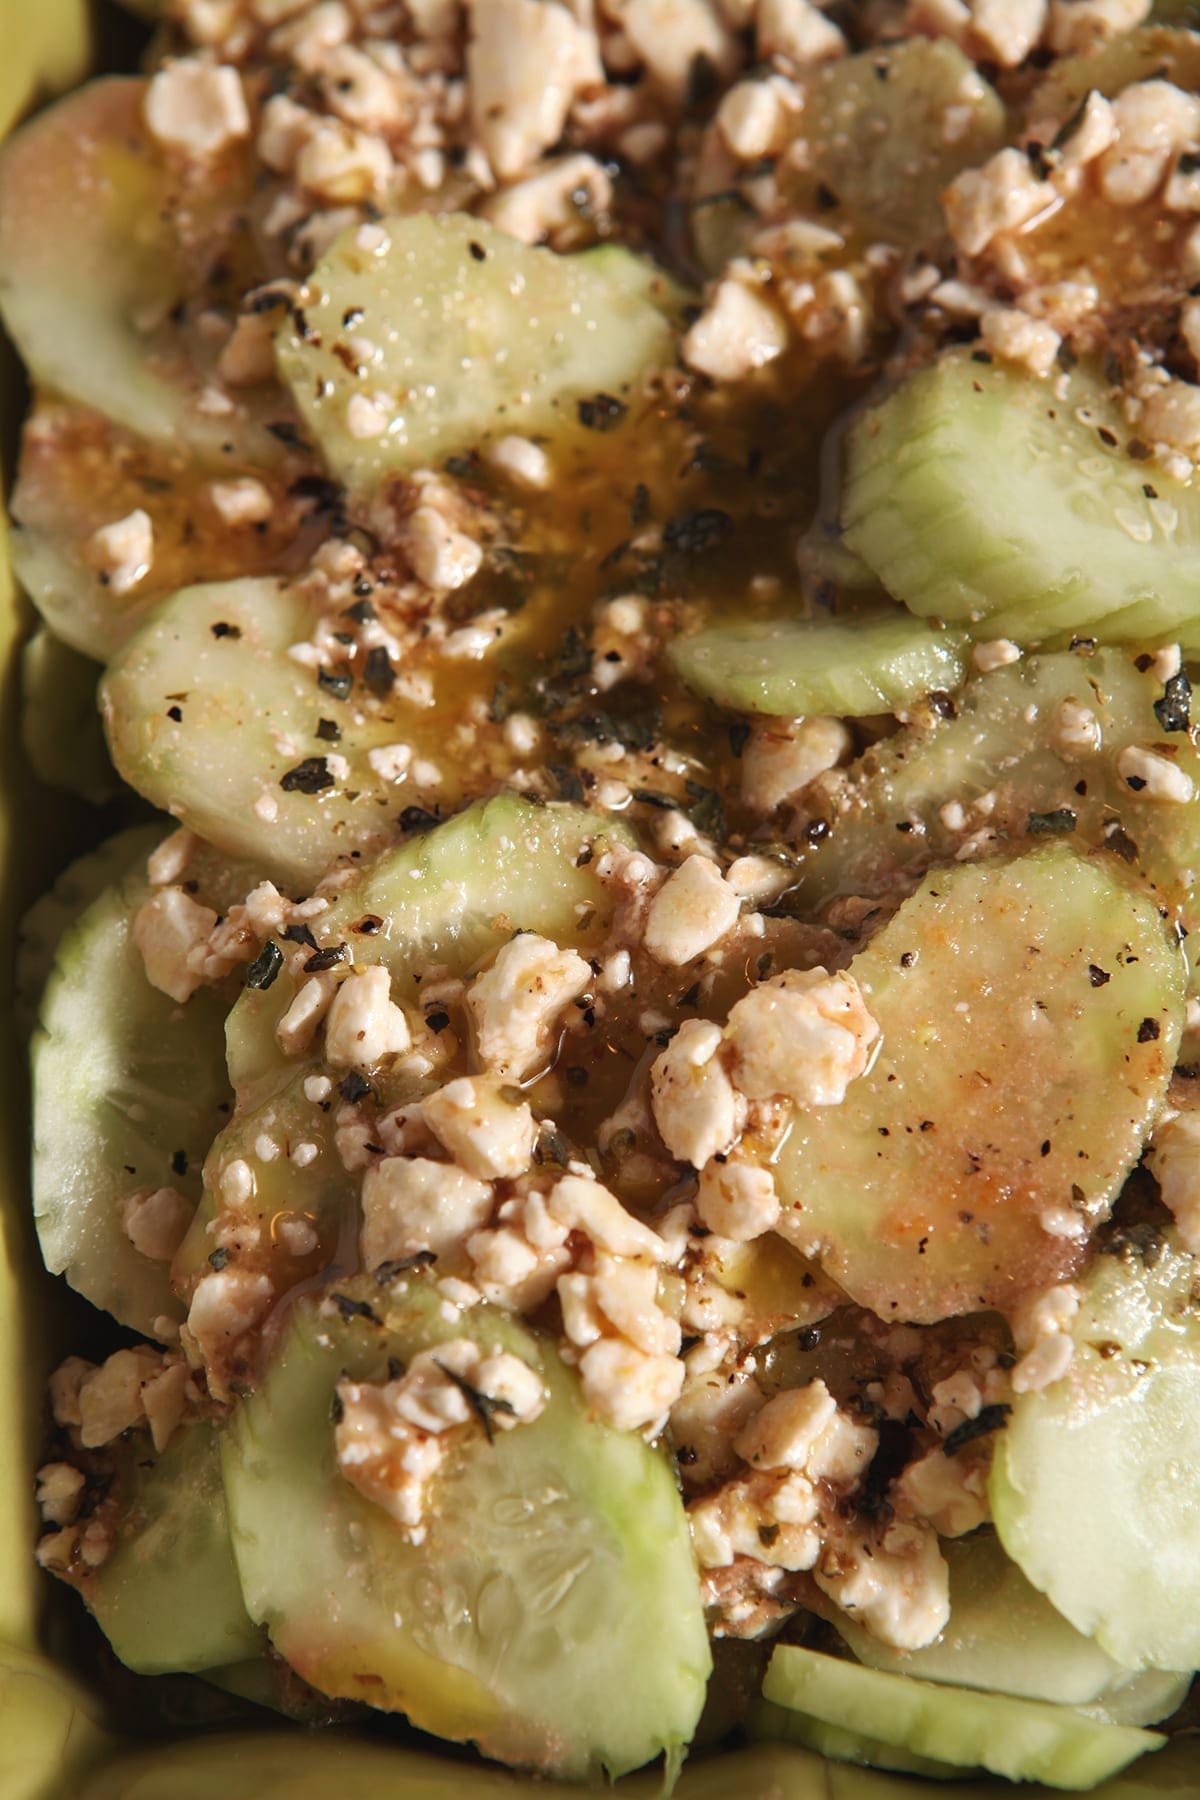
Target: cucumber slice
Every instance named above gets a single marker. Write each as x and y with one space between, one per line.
1144 1698
60 727
851 667
128 1091
780 1724
299 1208
496 338
1117 1435
197 706
1158 52
168 1598
859 109
1027 1740
79 473
1011 1093
1004 1637
1006 749
552 1614
92 231
979 494
41 930
451 897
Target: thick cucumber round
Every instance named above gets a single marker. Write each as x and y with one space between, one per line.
780 1724
472 335
91 245
168 1597
1144 1698
129 1089
1026 1740
1014 769
1094 1480
852 667
450 897
1030 1013
60 728
1004 1637
980 494
206 714
552 1614
1157 52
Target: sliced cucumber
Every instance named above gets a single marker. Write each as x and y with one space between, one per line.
1144 1698
1032 747
290 1226
1004 1637
552 1614
41 930
206 714
79 473
129 1089
168 1597
980 494
473 335
1026 1740
92 230
451 898
859 110
1093 1481
60 728
851 667
1030 1012
780 1724
1158 52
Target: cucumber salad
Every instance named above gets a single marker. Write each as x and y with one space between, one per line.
622 1071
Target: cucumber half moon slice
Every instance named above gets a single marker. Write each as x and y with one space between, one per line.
129 1089
1094 1480
981 495
92 223
552 1615
470 335
1026 1740
1029 1014
852 667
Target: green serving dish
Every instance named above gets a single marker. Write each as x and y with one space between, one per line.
55 1742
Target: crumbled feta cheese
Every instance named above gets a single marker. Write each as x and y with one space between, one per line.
413 1204
110 1397
896 1584
298 1026
59 1492
1001 195
485 1133
526 61
167 928
517 1003
797 31
784 755
737 332
390 761
1154 121
122 553
1076 729
441 556
242 502
556 201
737 1199
692 911
1015 337
156 1222
225 1305
1046 1362
364 1023
669 36
630 1389
196 109
947 1492
1156 776
752 118
696 1109
1175 1163
584 1205
803 1429
524 463
804 1034
168 862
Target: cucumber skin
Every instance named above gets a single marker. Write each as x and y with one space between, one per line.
1025 1740
1130 1420
580 1623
